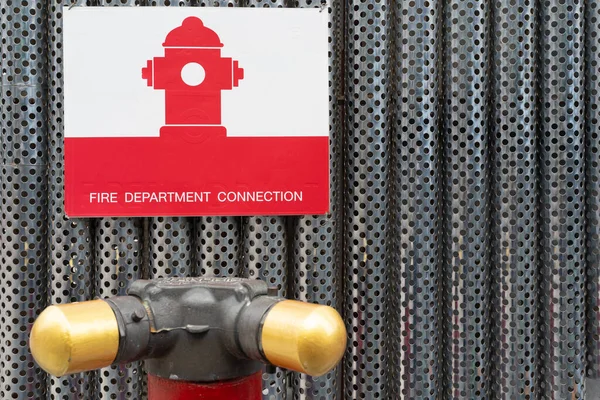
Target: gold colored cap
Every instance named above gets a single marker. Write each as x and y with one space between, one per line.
303 337
75 337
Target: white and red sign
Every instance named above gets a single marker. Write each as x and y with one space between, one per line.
195 111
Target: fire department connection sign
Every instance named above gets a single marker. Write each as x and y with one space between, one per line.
196 111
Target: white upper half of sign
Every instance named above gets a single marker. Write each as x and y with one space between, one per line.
284 54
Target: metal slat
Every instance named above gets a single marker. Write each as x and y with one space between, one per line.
514 243
466 264
513 139
316 255
218 238
265 258
366 202
71 240
592 30
118 262
116 3
265 3
23 204
170 247
23 275
218 246
2 189
170 3
265 255
219 3
561 147
170 239
415 334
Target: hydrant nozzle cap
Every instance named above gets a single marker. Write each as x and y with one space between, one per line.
76 337
303 337
192 33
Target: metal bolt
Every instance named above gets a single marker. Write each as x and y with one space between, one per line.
137 315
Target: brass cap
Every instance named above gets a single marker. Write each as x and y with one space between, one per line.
303 337
75 337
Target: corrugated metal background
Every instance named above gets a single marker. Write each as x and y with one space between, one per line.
463 241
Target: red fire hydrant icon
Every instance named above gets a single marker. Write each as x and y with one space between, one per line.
192 73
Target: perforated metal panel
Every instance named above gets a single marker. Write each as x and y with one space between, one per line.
117 265
23 274
115 3
592 79
512 210
171 242
265 3
219 3
466 265
265 257
316 254
562 237
514 207
170 3
24 192
366 201
70 240
218 246
415 334
23 255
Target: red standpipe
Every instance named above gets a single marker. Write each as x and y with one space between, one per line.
247 388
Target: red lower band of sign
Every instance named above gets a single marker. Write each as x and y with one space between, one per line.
196 171
247 388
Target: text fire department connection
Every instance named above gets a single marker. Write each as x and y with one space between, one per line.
191 197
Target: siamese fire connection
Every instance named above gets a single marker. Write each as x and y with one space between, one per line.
201 338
